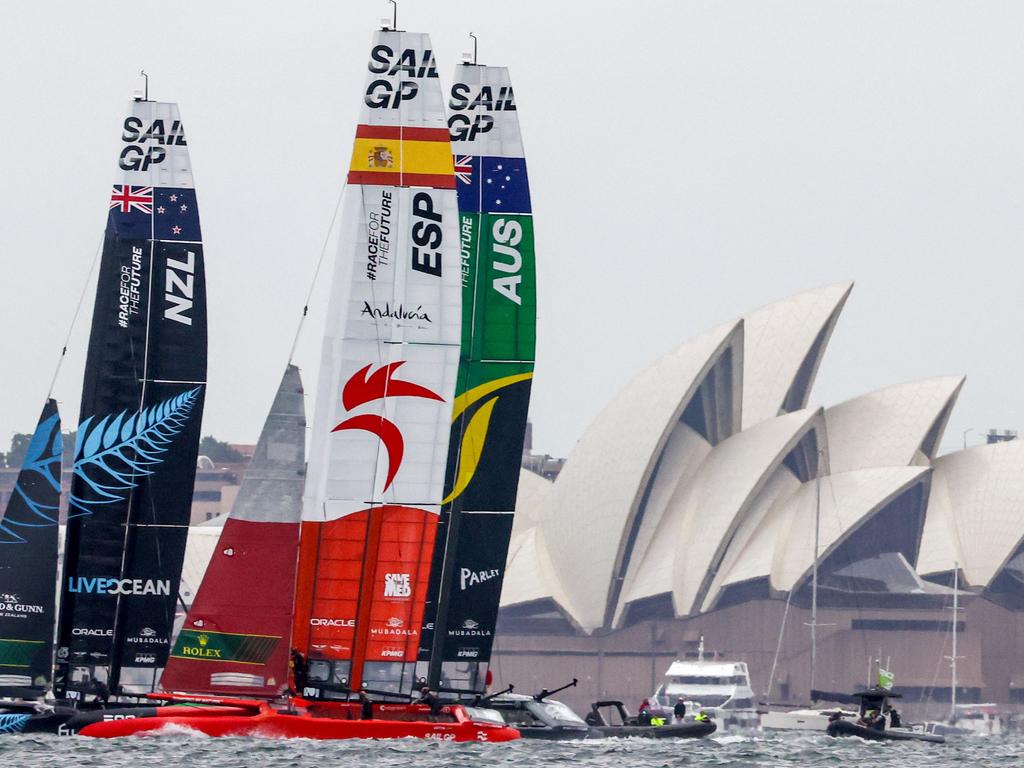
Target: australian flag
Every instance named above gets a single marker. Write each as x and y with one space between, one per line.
492 184
175 214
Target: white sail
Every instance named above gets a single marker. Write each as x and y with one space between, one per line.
387 379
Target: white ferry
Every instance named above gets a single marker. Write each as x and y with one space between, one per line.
720 688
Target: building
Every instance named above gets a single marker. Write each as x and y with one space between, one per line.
688 508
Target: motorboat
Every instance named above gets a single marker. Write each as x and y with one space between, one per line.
874 722
613 719
538 717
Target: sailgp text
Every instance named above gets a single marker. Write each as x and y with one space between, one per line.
382 93
146 143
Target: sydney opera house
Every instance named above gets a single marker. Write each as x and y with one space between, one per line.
688 508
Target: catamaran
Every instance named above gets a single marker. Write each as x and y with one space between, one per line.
135 455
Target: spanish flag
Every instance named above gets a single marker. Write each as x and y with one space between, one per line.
402 157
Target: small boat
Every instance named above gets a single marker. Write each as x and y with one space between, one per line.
876 700
970 720
628 725
539 717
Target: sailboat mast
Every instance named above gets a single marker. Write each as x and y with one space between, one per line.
814 578
952 660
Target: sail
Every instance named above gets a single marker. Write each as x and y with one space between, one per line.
142 402
28 563
387 378
495 374
235 639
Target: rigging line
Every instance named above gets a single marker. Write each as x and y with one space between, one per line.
74 318
778 648
316 272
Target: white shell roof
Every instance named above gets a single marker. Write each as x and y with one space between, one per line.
886 428
975 511
600 488
778 338
847 500
722 493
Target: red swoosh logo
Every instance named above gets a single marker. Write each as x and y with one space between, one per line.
362 388
388 434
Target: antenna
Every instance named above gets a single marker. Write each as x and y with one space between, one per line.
470 58
145 87
394 17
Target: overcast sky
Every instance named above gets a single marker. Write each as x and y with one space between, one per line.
689 162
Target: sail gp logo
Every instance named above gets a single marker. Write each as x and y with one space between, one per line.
364 387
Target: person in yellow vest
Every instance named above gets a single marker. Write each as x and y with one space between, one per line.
701 717
657 720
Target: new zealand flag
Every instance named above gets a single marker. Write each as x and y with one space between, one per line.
175 214
492 184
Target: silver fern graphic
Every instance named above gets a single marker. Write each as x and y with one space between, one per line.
111 455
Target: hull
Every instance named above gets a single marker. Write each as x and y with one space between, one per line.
680 731
272 724
546 733
67 721
846 728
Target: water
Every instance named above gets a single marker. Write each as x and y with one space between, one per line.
187 750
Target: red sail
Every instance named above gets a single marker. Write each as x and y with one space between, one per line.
236 638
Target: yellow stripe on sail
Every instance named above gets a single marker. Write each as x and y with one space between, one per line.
472 447
397 156
467 398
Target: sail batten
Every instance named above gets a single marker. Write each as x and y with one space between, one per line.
142 401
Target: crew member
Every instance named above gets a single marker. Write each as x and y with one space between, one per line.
701 717
679 710
365 706
430 698
644 718
298 665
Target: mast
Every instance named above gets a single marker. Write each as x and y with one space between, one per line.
953 658
814 577
138 433
387 380
495 376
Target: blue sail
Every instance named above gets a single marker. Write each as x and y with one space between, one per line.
28 563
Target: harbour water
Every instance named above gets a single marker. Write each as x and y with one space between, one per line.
187 750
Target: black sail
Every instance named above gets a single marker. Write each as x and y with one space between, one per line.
139 428
28 563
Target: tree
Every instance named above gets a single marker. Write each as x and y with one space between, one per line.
19 447
218 451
